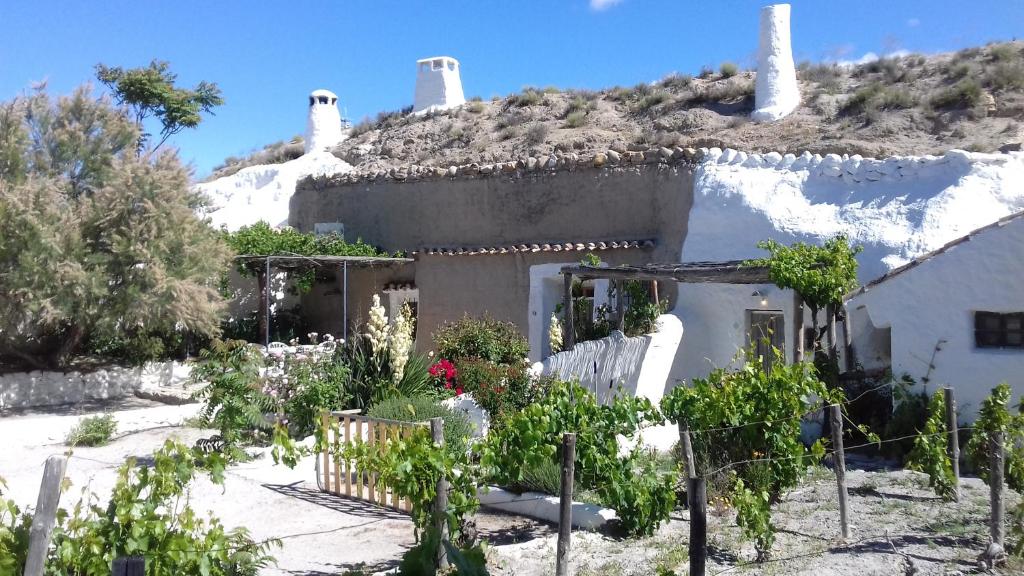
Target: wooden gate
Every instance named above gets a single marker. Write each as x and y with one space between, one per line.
345 478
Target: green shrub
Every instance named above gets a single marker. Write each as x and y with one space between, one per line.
528 97
676 81
537 133
728 69
727 411
958 71
371 375
995 416
149 515
15 525
580 104
642 496
1006 76
706 72
92 431
876 97
641 315
307 387
457 427
500 389
511 119
575 119
730 90
908 418
484 338
235 404
475 106
1004 53
929 454
964 94
651 100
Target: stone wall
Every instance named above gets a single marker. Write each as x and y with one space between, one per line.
39 388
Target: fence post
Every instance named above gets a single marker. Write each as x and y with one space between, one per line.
684 439
995 552
839 460
45 515
697 499
565 503
798 328
568 328
129 566
441 499
954 440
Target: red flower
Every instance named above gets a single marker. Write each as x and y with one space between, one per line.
458 391
448 385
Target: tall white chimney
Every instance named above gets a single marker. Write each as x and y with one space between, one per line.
776 92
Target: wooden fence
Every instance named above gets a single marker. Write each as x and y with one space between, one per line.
345 478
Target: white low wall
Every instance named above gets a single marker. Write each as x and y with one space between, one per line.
640 365
544 507
37 388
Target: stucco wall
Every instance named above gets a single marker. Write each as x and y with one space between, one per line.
935 302
323 306
496 285
645 201
36 388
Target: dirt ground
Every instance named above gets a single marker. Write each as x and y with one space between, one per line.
899 526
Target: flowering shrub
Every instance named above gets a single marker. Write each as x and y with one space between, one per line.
555 334
482 338
377 328
400 343
501 390
443 373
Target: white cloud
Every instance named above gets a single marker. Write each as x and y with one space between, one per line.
913 22
599 5
872 57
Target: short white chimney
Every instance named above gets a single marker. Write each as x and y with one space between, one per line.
323 124
776 92
438 85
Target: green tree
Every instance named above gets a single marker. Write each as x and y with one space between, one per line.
821 274
150 92
96 244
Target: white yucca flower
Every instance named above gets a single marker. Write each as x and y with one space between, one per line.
377 327
555 334
400 343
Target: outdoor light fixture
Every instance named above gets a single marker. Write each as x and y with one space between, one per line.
762 295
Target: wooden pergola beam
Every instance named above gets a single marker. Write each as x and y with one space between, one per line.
733 272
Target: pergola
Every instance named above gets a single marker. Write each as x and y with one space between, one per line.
261 266
727 272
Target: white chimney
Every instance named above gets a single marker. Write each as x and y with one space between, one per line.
323 124
776 91
438 84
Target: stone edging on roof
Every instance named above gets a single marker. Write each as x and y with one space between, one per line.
545 163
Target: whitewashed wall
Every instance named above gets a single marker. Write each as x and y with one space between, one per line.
640 365
38 388
936 300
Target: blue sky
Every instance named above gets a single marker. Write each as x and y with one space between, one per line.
267 56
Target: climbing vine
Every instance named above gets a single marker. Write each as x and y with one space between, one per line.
995 416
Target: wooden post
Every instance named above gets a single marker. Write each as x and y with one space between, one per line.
130 566
684 440
565 503
995 482
697 498
798 328
654 292
839 459
620 305
441 500
569 331
262 282
954 440
45 515
325 418
830 323
850 360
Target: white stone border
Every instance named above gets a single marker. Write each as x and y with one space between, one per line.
544 507
854 169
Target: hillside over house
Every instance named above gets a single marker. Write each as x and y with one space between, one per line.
898 105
